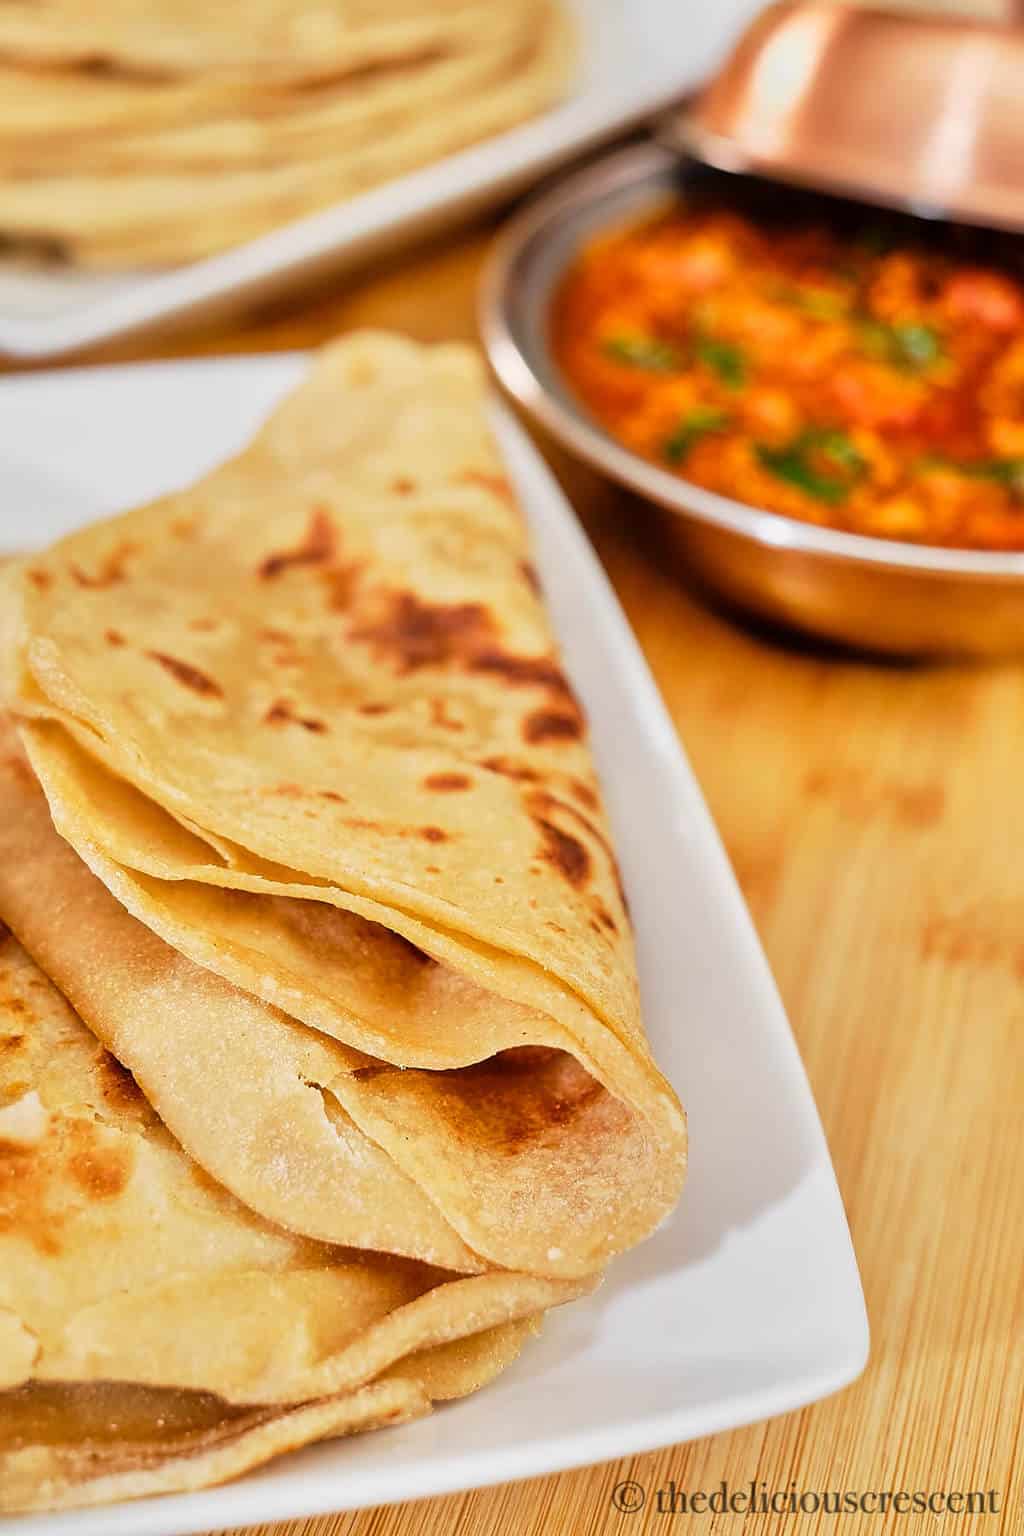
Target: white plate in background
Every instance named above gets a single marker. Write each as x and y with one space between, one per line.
747 1302
636 56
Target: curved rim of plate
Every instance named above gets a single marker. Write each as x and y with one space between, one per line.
510 263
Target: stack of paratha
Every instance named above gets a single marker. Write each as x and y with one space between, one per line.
148 132
298 815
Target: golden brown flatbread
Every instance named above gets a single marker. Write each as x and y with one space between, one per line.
154 1333
134 133
312 1135
263 41
307 723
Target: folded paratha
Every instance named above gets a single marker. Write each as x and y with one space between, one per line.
154 1333
307 723
258 1099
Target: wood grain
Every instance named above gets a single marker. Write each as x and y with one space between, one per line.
872 814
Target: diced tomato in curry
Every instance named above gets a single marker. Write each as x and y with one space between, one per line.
806 371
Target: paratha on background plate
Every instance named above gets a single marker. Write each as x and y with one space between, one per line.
152 132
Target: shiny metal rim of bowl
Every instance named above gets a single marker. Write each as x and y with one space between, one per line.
529 258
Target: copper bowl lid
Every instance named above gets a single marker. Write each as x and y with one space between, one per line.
919 111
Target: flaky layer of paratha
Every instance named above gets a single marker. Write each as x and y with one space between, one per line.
121 1260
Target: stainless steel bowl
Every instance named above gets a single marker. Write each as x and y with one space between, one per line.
875 594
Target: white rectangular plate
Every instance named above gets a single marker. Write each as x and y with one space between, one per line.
747 1302
636 55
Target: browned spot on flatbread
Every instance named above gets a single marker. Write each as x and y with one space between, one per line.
11 1043
541 803
316 548
72 1159
332 794
510 769
275 636
28 1206
102 1173
428 834
440 716
498 485
519 1096
446 782
374 709
185 527
411 633
584 794
341 582
604 917
528 571
203 626
187 675
403 486
524 672
288 791
113 637
110 571
551 725
39 578
282 712
565 852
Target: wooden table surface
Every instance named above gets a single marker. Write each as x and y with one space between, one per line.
872 814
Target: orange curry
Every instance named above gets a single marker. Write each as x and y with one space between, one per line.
841 378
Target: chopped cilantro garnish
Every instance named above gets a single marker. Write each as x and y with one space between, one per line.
723 358
911 347
820 461
919 345
1008 472
836 447
643 352
694 425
